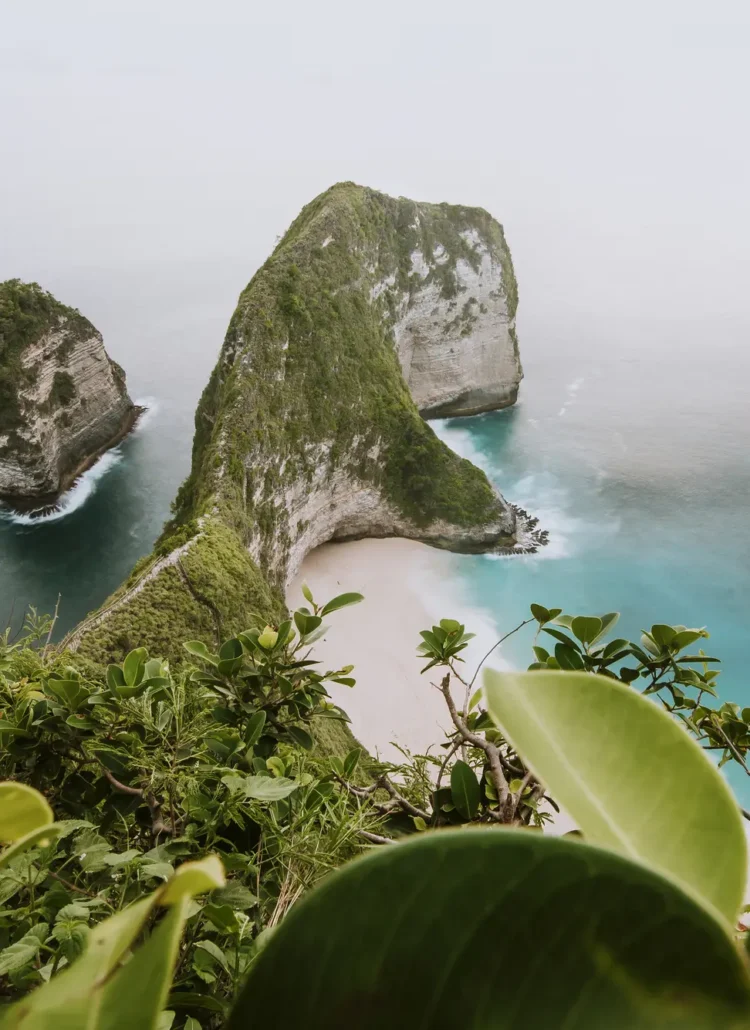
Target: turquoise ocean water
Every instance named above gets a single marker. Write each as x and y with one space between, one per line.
629 443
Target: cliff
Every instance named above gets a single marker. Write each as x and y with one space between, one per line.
62 399
369 309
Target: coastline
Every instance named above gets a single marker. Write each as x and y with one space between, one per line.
46 502
407 586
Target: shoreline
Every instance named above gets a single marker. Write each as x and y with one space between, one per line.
407 587
47 502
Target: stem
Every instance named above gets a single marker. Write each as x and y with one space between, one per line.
375 838
70 886
52 626
497 644
493 755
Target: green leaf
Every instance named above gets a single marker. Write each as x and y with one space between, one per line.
215 952
136 996
351 762
22 810
301 737
18 955
189 999
685 638
305 623
236 896
158 870
268 638
193 878
69 998
132 667
663 635
199 650
586 628
567 657
222 917
465 790
115 678
254 729
622 948
342 601
608 621
275 765
628 775
307 593
540 613
263 788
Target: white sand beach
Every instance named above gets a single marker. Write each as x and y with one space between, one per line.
407 587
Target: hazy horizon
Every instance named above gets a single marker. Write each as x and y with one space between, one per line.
151 156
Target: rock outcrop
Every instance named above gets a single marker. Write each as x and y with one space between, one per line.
308 429
455 328
63 401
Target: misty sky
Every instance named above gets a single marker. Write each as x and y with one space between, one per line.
152 151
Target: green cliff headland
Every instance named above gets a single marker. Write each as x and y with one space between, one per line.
308 430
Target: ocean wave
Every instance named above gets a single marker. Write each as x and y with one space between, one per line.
445 598
570 398
86 484
151 404
73 499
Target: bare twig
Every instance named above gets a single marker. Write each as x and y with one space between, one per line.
157 823
122 787
497 644
403 802
69 885
375 838
52 626
717 725
444 764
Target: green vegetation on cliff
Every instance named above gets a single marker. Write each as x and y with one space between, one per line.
307 388
308 365
26 313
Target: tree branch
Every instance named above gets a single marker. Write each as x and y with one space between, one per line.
493 755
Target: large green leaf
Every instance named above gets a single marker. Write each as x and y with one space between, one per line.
628 774
137 995
22 810
98 991
492 929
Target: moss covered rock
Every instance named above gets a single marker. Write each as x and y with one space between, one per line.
308 431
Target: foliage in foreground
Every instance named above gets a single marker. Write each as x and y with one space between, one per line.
148 768
151 768
482 778
468 916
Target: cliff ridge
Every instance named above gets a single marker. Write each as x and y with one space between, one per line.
369 310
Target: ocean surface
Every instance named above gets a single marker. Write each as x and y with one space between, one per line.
631 445
629 442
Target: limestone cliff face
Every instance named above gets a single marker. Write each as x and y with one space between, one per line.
62 399
455 336
370 310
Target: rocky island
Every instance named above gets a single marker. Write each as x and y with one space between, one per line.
63 401
370 313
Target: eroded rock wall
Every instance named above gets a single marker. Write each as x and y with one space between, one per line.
69 402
